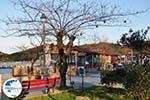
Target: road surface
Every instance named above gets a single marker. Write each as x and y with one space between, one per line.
89 79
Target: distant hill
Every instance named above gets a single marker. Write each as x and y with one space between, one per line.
3 56
1 53
109 48
29 54
26 55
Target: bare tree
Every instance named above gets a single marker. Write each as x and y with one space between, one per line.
95 38
65 21
21 47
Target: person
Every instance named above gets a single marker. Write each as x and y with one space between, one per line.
37 74
145 60
28 70
94 61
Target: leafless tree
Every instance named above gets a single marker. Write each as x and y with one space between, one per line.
21 47
65 21
27 53
95 38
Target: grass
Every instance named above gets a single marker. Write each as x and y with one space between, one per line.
94 93
60 96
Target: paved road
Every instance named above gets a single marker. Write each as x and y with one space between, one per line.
90 79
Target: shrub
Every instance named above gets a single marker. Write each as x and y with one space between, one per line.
135 78
137 82
115 76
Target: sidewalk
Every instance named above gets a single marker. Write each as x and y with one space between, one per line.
90 79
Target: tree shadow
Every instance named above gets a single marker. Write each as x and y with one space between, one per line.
51 97
99 92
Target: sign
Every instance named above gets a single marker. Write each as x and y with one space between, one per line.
12 88
81 71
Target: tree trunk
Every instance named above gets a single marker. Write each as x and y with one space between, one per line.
63 70
62 56
61 62
62 65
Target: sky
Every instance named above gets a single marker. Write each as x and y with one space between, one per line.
111 34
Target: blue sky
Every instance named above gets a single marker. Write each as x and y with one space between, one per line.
112 34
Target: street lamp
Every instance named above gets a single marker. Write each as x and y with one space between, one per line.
43 19
79 38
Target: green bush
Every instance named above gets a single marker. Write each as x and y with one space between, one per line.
135 78
137 82
115 76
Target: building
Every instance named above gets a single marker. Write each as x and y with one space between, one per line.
90 59
77 58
